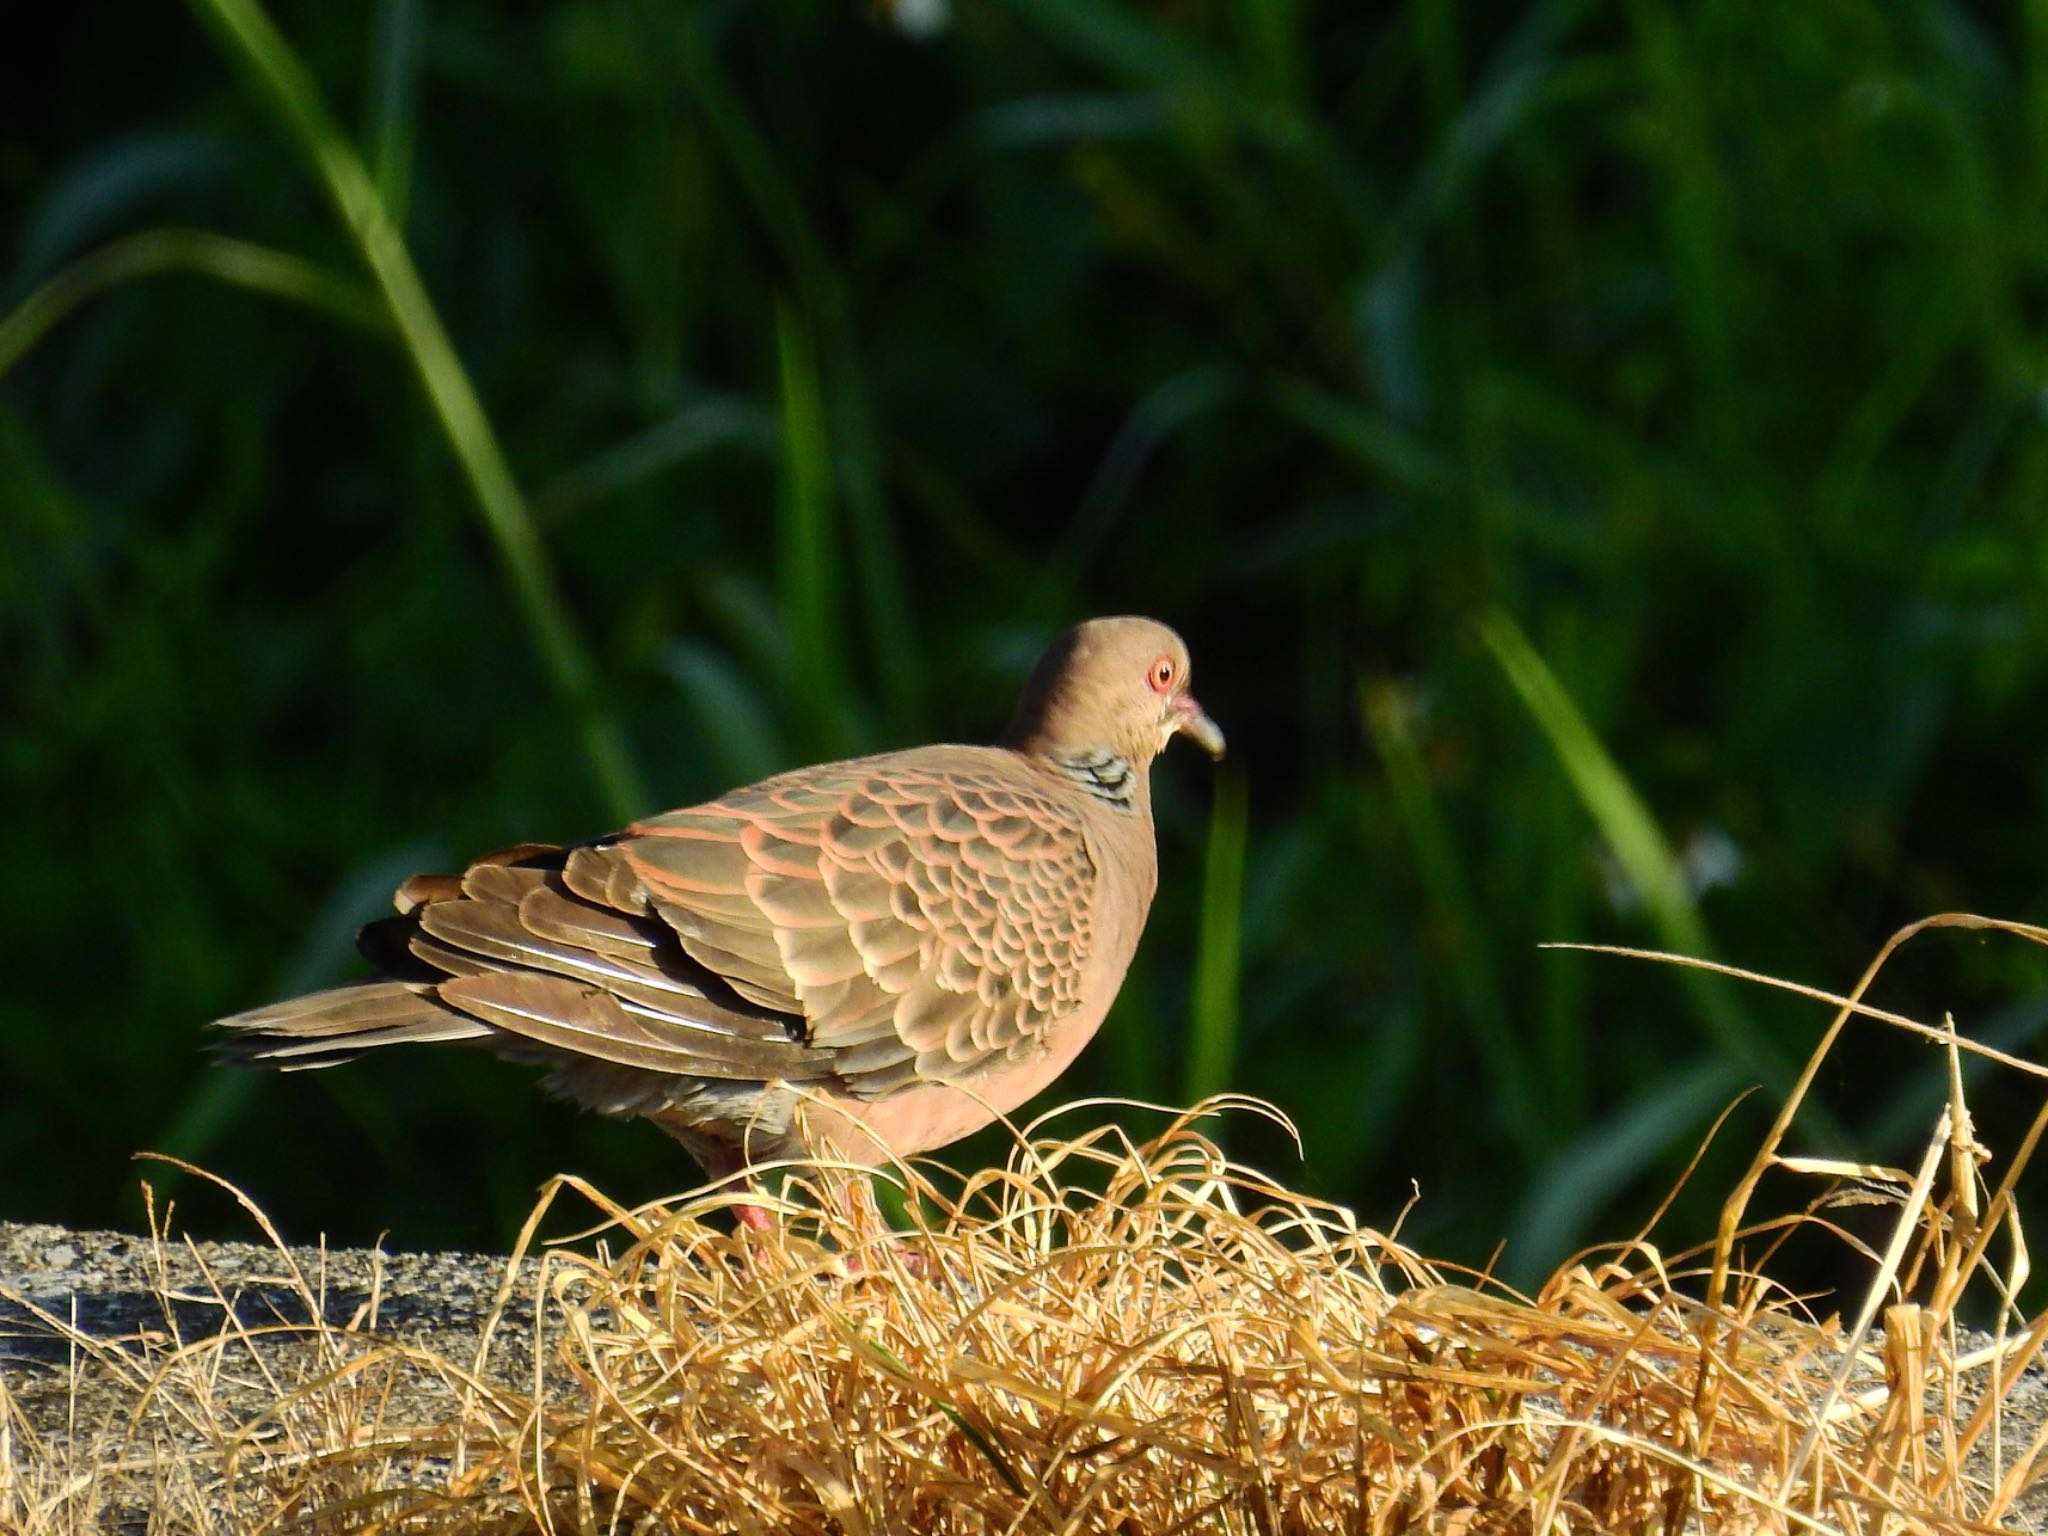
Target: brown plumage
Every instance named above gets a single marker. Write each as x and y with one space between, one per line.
856 959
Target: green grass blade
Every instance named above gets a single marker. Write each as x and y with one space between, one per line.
1558 1019
1632 836
876 558
1128 42
1214 1013
1624 821
1522 77
1272 50
807 563
645 456
107 192
1576 1186
1468 960
1171 408
736 729
389 120
238 262
1699 222
248 36
1370 439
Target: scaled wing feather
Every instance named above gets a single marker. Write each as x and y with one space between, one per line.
921 919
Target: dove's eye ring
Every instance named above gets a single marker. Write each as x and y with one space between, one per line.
1161 675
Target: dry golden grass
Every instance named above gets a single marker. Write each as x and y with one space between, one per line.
1106 1337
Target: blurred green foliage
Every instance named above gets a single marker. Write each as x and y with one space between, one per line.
1595 453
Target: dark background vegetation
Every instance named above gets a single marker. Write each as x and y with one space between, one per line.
1595 452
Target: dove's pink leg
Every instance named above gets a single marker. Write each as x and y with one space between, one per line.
719 1162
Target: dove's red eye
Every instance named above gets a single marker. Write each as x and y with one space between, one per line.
1162 674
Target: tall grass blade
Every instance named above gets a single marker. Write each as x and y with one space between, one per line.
389 119
1578 1184
1466 959
1371 440
1520 79
1272 45
1172 407
1215 1014
108 191
899 662
807 555
736 729
1698 220
251 40
1631 835
695 429
222 257
1129 42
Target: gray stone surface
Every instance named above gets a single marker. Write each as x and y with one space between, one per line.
111 1286
117 1284
138 1301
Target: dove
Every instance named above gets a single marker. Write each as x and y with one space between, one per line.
861 960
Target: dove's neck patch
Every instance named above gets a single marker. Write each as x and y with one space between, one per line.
1104 774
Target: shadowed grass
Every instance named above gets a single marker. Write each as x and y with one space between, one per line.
276 274
775 202
389 127
250 39
1464 957
1215 1014
808 550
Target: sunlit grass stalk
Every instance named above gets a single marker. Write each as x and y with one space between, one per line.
1152 1299
1630 833
251 40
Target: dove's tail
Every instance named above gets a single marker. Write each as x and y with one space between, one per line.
324 1029
542 955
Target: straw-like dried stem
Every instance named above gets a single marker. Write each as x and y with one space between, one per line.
1116 1337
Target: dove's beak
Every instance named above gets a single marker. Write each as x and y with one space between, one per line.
1189 721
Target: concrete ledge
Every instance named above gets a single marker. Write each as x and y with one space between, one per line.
68 1407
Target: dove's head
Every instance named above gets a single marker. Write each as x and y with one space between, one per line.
1111 685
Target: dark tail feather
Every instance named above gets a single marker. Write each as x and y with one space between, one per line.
324 1029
